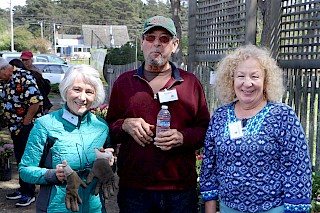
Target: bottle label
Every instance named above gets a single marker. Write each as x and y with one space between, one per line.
165 123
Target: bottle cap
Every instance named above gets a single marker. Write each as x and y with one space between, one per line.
164 107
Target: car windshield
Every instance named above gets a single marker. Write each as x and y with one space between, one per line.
52 68
42 59
9 58
39 66
49 58
56 59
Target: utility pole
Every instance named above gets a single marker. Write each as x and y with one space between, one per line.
54 38
11 19
136 49
41 28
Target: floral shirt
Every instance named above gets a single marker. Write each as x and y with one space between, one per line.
268 166
17 95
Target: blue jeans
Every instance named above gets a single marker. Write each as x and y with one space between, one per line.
152 201
226 209
19 145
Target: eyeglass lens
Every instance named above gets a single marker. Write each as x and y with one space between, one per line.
163 39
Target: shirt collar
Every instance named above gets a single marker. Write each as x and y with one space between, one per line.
175 71
72 118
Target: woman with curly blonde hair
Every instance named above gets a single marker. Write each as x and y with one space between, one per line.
273 81
256 157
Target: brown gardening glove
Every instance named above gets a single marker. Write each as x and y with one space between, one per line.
102 170
72 198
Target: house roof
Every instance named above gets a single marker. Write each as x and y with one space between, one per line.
105 35
69 36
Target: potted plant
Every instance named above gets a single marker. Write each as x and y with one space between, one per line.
199 157
6 151
100 111
316 192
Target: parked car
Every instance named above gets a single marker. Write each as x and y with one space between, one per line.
49 58
36 57
10 55
54 72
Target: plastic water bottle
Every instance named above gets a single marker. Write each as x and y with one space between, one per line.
163 120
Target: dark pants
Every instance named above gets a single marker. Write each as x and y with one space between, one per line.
19 144
151 201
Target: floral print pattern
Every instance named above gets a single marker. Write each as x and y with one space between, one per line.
17 95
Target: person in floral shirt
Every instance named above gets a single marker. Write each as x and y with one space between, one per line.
21 100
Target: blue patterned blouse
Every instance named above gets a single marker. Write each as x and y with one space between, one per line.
268 166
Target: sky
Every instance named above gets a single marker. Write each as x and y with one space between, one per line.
6 3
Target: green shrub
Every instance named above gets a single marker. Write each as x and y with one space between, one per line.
55 88
316 191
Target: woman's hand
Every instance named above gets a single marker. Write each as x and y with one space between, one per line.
111 161
60 172
210 206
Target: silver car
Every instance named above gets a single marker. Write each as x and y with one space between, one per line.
51 58
54 72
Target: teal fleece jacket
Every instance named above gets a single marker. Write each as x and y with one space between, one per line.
73 139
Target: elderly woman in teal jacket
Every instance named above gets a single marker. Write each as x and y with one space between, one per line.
69 134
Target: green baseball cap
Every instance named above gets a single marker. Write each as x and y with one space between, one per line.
160 21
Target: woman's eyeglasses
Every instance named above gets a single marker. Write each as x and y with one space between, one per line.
164 39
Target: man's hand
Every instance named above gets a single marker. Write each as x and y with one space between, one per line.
72 198
168 139
139 130
102 170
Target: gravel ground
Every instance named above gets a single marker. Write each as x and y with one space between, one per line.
6 187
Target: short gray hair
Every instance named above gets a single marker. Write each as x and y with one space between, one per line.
3 63
89 75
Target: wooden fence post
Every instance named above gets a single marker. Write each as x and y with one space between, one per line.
251 21
274 42
192 35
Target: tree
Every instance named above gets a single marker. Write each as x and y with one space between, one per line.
125 54
265 8
40 45
5 42
176 11
22 40
71 14
154 8
3 25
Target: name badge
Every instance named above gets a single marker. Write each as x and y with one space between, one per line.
168 95
235 130
70 117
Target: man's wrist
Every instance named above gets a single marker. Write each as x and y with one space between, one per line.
27 120
122 125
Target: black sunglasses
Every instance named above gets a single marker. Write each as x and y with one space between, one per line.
163 38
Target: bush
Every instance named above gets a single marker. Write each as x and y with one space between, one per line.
55 88
316 191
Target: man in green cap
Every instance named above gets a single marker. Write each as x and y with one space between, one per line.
157 172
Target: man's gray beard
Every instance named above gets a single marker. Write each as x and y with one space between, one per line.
155 62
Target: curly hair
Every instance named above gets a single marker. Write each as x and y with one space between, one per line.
224 75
